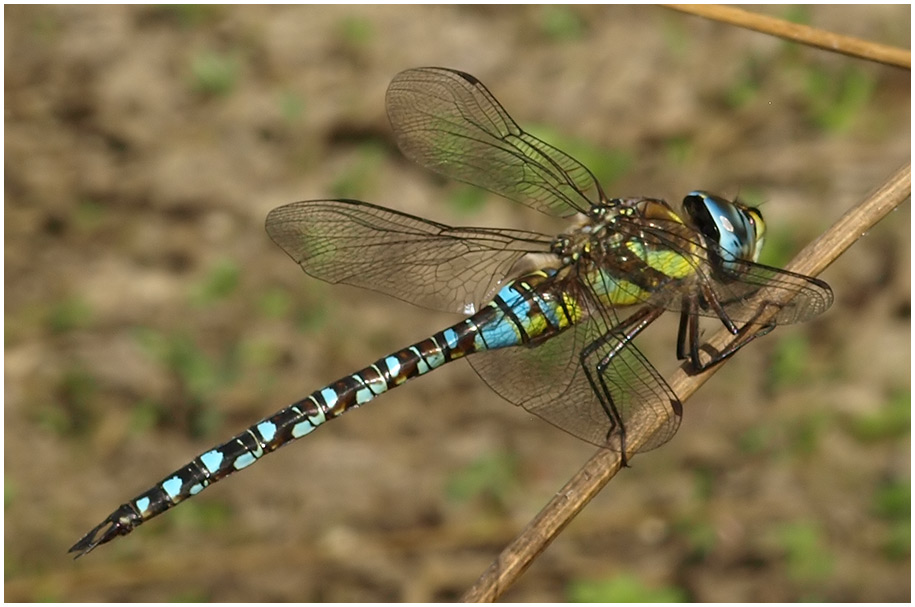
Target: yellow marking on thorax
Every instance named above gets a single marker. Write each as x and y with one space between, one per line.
670 263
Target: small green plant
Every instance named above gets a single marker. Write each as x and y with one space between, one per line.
220 283
805 434
780 246
624 588
745 89
196 515
893 501
676 36
492 476
257 357
789 361
699 533
198 377
835 100
756 439
274 303
898 543
797 13
10 491
679 149
292 106
359 176
703 538
800 14
703 482
356 32
69 314
191 596
189 16
312 318
806 556
214 74
71 412
893 420
560 23
89 216
145 415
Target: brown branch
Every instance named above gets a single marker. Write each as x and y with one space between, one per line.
604 464
847 45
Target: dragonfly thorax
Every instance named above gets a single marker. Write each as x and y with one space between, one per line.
627 250
590 237
620 227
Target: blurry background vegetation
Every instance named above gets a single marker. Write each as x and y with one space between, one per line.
148 316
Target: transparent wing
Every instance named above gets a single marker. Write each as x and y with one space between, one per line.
447 121
419 261
798 297
610 395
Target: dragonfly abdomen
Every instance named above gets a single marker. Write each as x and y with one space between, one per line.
519 314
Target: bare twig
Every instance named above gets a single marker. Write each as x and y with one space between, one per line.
604 464
853 47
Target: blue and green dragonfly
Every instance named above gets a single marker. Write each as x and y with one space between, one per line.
550 321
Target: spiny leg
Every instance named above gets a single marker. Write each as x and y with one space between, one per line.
618 338
688 334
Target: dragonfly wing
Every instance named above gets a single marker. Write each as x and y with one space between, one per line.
646 407
448 122
419 261
555 382
798 297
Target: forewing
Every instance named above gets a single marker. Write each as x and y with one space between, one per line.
419 261
798 298
447 121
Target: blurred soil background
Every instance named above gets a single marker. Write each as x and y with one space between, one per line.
149 316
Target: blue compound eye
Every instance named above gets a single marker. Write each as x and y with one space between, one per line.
733 232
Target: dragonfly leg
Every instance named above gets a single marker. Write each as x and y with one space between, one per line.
617 339
709 298
742 337
688 331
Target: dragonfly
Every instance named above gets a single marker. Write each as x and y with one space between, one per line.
549 320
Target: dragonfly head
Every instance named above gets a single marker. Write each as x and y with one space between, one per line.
732 231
